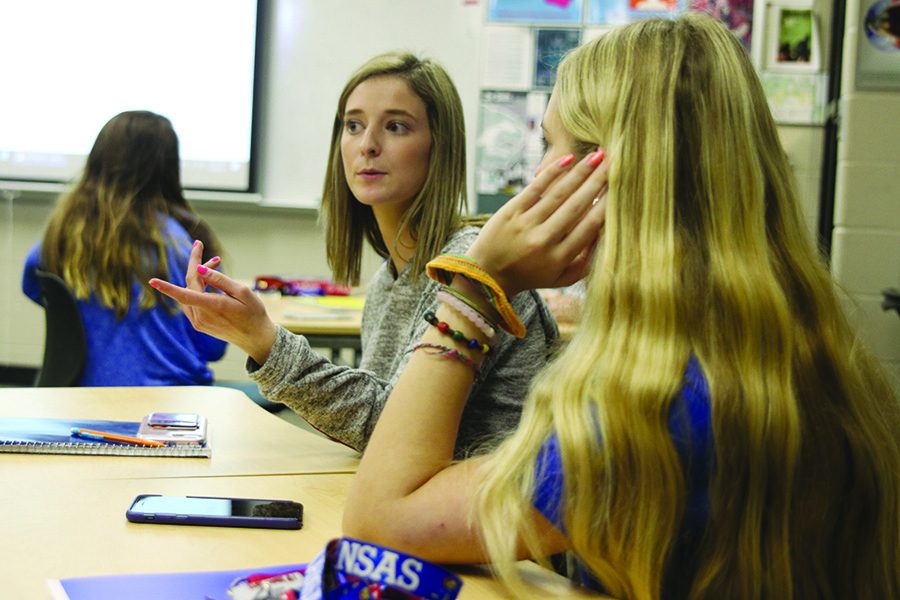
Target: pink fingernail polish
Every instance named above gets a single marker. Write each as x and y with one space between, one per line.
201 269
596 158
153 284
567 160
196 243
215 259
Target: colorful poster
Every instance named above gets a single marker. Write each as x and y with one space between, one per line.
551 46
509 145
737 15
792 40
535 11
618 12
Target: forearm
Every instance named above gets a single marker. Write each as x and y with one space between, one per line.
415 436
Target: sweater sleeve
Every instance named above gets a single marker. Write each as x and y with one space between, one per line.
345 403
342 402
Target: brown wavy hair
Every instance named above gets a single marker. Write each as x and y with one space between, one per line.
105 233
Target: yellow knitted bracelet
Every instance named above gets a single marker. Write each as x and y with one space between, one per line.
442 268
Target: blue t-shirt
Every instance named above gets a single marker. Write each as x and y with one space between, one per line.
691 429
146 347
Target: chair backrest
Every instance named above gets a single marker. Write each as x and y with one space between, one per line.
891 299
65 343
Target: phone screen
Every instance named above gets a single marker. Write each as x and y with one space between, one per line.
203 510
174 420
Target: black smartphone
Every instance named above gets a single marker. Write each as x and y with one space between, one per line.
215 511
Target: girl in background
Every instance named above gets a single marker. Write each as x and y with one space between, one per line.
126 220
396 178
715 428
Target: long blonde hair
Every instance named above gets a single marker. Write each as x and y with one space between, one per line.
105 234
705 254
438 208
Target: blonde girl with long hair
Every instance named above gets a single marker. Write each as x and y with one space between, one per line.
396 178
715 428
124 221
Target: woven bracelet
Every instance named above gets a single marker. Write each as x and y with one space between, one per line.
440 350
442 269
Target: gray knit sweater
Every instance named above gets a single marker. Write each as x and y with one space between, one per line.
344 403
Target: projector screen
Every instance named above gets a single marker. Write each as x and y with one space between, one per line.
69 66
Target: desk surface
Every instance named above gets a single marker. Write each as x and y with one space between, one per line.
334 316
62 529
309 316
245 439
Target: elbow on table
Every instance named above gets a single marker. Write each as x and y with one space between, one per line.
369 524
382 527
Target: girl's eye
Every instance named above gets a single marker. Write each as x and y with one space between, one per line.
353 126
397 127
545 144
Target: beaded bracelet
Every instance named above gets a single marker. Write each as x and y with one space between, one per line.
442 269
438 349
463 307
456 334
472 304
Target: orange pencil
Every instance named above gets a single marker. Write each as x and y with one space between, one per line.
114 437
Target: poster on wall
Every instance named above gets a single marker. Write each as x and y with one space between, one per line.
792 40
618 12
535 11
550 47
509 146
510 50
737 15
878 45
796 98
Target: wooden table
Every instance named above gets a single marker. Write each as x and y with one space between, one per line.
77 528
63 516
245 439
331 322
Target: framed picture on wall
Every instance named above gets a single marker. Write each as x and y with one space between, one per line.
792 40
878 45
550 47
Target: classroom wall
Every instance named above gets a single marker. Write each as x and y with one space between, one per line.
257 241
288 240
866 238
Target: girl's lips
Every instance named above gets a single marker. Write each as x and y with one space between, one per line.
371 175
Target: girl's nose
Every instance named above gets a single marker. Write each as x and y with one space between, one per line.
370 145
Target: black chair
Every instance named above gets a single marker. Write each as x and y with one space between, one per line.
891 300
65 343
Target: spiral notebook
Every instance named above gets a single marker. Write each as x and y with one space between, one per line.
54 436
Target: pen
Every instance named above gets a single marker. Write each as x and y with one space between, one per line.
114 437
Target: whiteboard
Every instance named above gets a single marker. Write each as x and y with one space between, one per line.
310 49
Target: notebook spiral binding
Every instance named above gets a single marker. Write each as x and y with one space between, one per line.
32 447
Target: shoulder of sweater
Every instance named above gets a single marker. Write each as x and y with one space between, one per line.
460 240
